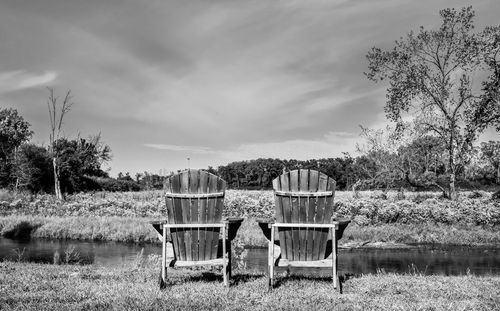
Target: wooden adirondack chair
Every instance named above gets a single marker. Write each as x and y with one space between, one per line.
304 210
195 200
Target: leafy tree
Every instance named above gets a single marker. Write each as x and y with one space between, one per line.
491 152
78 159
14 131
430 75
33 168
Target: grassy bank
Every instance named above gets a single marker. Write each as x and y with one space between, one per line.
26 286
473 219
113 228
365 208
127 229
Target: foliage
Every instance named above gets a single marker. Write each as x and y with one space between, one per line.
430 75
369 209
491 152
258 174
14 131
33 168
79 158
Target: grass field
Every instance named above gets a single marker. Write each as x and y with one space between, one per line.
26 286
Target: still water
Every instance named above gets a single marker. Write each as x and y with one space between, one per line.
442 260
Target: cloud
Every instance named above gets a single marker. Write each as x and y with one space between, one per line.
193 149
330 145
19 79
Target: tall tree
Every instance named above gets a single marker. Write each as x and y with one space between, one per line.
57 112
14 131
431 76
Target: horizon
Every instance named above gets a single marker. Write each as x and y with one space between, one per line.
216 82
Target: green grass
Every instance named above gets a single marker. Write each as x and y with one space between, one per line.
27 286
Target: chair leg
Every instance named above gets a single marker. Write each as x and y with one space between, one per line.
271 261
161 281
225 258
335 277
163 273
229 257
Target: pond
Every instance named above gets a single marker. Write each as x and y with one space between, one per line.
425 259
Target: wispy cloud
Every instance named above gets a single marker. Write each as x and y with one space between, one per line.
19 79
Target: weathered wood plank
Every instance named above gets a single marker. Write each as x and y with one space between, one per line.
194 180
303 186
294 186
221 187
320 216
186 214
311 213
203 188
286 233
279 213
178 216
212 237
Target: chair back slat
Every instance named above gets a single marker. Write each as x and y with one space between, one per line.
186 204
303 196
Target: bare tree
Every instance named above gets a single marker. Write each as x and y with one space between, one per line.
57 111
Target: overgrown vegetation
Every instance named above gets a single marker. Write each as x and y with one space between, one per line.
365 207
377 216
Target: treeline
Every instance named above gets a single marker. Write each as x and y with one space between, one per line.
30 167
419 164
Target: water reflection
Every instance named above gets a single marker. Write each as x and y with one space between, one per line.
42 251
444 260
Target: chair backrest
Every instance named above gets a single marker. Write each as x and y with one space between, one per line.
303 196
195 197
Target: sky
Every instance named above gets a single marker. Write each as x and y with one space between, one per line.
215 81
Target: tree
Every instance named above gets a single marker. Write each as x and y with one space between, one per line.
14 131
33 168
57 111
431 76
79 159
491 152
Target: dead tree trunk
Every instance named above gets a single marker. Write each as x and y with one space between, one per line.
56 121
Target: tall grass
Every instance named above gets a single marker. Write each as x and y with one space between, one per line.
138 230
121 229
376 216
369 208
